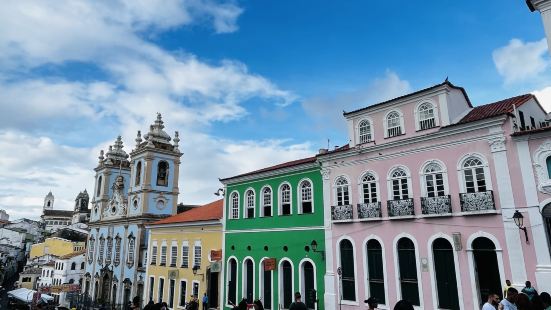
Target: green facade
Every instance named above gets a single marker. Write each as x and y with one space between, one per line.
287 238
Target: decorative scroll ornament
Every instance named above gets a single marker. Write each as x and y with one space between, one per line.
479 201
369 210
401 207
341 213
497 144
540 165
325 173
436 205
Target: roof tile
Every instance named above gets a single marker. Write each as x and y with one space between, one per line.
211 211
494 109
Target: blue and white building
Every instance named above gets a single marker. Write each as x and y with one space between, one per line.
130 191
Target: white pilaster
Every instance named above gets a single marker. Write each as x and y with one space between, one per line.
444 114
544 7
506 199
329 279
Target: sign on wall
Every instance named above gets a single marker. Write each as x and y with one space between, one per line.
269 264
215 255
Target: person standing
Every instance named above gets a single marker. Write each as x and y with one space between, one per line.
205 301
297 304
491 304
546 300
509 302
529 290
372 303
507 286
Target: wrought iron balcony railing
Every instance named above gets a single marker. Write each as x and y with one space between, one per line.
400 207
436 205
341 213
479 201
369 210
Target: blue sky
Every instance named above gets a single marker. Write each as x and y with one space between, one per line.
247 83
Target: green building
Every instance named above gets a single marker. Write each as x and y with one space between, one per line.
274 235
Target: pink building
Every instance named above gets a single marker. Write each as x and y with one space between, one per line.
421 201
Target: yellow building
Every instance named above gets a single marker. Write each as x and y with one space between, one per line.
183 257
55 246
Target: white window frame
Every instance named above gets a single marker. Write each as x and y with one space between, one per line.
401 120
244 277
262 202
261 283
423 174
418 266
336 189
234 206
180 291
418 116
300 198
165 247
370 133
154 253
280 198
390 185
227 284
280 279
185 244
198 289
174 258
361 184
196 257
301 278
338 251
366 268
461 173
246 203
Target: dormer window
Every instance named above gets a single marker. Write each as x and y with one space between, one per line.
365 131
394 124
426 116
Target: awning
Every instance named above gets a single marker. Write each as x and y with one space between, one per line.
26 295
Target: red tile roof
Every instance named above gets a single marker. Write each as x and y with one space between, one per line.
278 166
531 131
208 212
495 109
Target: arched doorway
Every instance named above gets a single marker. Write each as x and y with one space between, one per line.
444 269
106 286
375 271
114 298
266 286
486 268
407 262
286 284
248 277
308 284
127 291
348 281
232 282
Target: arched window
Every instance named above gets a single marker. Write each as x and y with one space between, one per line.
232 282
101 249
285 197
117 259
375 275
393 124
234 214
266 201
486 267
399 183
306 197
138 173
364 131
308 284
547 162
109 250
286 283
73 266
473 173
248 278
91 244
433 176
266 286
162 173
425 113
369 188
348 281
343 196
444 268
407 262
250 205
98 190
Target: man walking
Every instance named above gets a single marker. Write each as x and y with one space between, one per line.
509 302
491 304
205 301
298 304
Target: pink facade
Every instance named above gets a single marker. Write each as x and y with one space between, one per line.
442 148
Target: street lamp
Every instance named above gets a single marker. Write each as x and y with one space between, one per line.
519 221
314 246
195 269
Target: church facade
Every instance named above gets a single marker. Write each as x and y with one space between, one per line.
131 190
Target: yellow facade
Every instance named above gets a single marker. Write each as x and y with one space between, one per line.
55 246
207 235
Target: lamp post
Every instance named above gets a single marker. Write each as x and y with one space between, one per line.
314 246
519 221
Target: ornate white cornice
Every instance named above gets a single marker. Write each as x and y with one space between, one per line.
540 165
497 144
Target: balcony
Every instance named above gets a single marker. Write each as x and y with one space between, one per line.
441 205
370 210
477 202
341 213
400 207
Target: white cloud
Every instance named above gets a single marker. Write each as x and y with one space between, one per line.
521 61
544 97
328 109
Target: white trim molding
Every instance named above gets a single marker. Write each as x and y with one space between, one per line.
540 165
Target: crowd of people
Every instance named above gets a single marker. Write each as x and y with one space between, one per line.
527 299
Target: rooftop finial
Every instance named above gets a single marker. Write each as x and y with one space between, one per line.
100 157
139 138
176 140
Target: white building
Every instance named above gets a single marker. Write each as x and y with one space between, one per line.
68 269
544 7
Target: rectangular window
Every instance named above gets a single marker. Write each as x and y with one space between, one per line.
285 200
195 289
183 293
151 287
435 185
521 118
154 255
267 202
185 256
173 255
533 122
171 293
370 192
197 255
163 255
161 289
